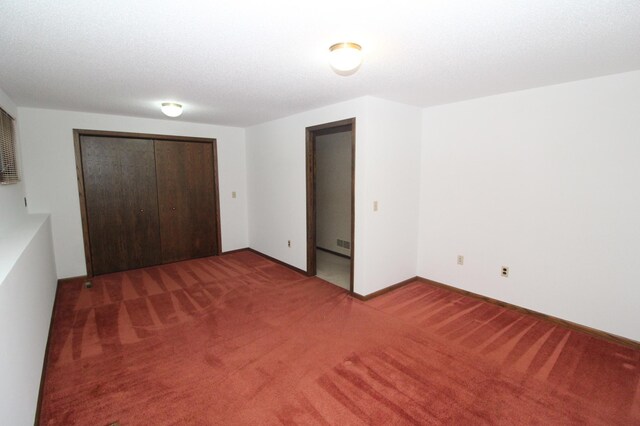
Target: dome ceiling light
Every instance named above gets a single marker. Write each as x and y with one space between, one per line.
171 109
345 58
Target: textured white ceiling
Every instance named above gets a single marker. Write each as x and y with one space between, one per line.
245 62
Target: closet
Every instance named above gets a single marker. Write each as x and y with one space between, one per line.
145 199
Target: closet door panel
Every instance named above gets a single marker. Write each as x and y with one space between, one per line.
186 199
121 201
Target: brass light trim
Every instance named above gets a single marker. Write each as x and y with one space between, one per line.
346 45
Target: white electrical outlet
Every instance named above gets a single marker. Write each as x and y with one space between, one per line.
288 243
233 194
375 206
504 271
460 259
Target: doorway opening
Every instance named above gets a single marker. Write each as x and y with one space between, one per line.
331 149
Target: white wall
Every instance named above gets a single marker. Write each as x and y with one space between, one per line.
545 181
333 191
27 292
12 209
50 174
393 179
387 170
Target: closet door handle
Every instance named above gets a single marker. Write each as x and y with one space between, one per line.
141 210
173 208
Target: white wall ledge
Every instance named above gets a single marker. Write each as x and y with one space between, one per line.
14 241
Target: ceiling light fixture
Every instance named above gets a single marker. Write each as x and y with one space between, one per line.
171 109
345 58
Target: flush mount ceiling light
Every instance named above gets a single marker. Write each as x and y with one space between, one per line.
171 109
345 58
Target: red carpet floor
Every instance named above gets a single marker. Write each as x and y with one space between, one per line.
238 339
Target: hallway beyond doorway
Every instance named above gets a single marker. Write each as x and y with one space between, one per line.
333 268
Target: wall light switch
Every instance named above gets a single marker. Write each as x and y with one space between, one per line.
233 194
375 206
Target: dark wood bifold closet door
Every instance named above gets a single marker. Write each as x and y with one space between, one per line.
186 199
121 201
